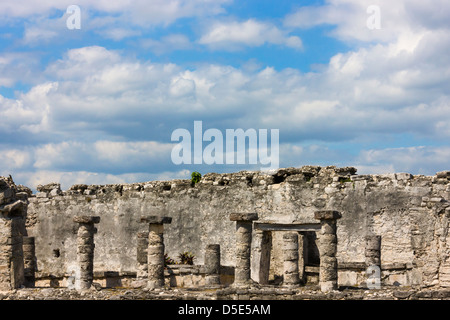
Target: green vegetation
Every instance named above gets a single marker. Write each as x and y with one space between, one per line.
195 177
168 260
186 258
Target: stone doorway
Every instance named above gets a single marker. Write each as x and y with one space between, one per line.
266 237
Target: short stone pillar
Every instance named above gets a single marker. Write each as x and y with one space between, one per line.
155 250
260 264
142 256
244 228
290 256
11 253
29 261
373 261
85 251
328 277
12 228
212 265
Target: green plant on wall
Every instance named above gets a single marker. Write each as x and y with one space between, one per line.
186 258
195 177
168 260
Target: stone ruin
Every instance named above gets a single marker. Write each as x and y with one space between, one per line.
321 227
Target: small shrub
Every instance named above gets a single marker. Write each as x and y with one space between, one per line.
344 180
186 258
168 260
195 177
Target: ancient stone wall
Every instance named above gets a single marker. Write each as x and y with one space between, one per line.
12 232
410 213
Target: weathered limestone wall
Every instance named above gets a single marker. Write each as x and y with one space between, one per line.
12 231
410 213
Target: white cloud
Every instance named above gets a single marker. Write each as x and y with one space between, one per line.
68 178
15 158
18 67
364 91
132 153
137 12
118 34
27 113
168 43
418 160
43 30
398 18
252 33
74 159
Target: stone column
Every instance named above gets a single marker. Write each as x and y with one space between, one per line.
373 261
244 227
302 256
212 265
141 257
262 244
85 251
155 250
29 261
290 256
11 253
327 249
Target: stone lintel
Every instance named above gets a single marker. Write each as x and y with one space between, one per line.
86 219
156 219
243 216
327 215
274 226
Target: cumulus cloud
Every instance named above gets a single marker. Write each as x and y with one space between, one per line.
425 160
68 178
91 162
167 43
18 67
398 19
234 35
137 12
366 91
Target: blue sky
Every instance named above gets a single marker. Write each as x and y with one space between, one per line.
98 104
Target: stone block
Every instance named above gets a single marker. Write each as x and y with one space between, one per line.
244 216
156 219
42 195
55 192
327 215
403 176
326 239
443 174
86 219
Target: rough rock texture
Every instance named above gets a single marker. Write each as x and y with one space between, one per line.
229 293
12 230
